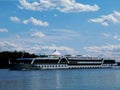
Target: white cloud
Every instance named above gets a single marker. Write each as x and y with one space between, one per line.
50 36
51 40
14 19
65 6
99 49
105 20
20 7
113 36
52 47
36 48
55 15
59 35
112 51
35 22
38 34
3 30
117 37
32 20
49 49
64 33
17 36
6 46
106 35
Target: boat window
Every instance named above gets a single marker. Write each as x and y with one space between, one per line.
24 61
63 61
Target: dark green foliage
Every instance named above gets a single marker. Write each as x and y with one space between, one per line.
12 56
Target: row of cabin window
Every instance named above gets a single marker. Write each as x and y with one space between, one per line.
52 66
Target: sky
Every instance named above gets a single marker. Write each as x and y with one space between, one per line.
86 27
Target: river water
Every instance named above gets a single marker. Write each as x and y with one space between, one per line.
74 79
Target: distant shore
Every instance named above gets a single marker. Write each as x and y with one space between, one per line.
7 56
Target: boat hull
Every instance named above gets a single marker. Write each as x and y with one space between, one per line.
20 67
55 66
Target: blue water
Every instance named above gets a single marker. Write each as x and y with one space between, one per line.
76 79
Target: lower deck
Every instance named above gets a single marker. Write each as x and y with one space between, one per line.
66 66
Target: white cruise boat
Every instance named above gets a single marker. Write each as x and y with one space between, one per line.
57 61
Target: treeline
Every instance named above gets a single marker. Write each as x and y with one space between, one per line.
6 57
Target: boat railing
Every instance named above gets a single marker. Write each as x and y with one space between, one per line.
85 58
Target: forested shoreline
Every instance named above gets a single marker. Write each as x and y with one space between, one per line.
7 56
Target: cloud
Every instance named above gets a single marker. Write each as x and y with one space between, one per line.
20 7
3 30
52 47
17 36
38 34
117 37
35 22
55 15
59 35
14 19
106 35
64 33
6 46
49 49
50 36
36 48
32 20
41 43
65 6
112 51
35 41
106 20
97 49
